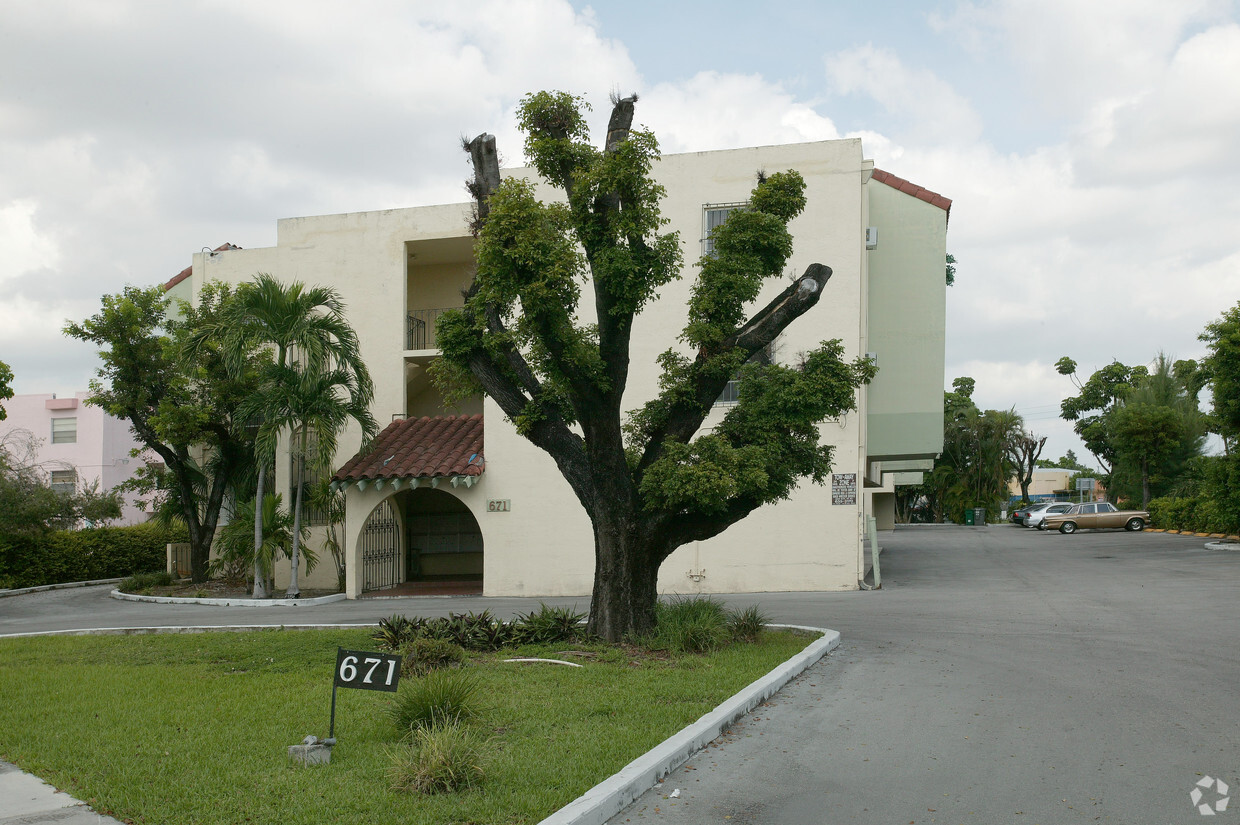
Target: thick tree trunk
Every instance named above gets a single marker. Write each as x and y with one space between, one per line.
625 582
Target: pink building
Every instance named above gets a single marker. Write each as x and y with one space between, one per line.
78 444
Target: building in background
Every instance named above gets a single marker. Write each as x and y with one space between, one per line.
78 445
456 494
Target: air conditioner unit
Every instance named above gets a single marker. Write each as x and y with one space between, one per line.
871 237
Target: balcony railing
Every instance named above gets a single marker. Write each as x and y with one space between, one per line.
420 328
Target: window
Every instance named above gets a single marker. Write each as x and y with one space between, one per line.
64 481
64 430
715 215
731 391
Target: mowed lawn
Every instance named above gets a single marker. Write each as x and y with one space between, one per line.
195 728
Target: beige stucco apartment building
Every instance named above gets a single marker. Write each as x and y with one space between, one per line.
467 498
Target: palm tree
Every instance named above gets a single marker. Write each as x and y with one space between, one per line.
314 407
315 383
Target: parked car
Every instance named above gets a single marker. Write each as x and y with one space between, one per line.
1096 515
1038 519
1021 514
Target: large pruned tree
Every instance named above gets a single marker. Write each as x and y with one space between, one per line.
184 409
653 483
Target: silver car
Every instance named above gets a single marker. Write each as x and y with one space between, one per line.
1038 519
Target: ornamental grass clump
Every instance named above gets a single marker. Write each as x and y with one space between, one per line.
420 656
549 625
697 624
442 697
439 758
747 624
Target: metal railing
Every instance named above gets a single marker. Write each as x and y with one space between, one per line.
420 327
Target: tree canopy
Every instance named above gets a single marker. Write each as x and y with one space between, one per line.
650 481
6 391
182 407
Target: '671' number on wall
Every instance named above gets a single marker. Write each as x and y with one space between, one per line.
366 671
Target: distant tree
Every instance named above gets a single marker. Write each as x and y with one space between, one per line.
1145 435
1068 461
951 269
184 409
6 391
523 337
1023 452
1090 409
977 460
1221 369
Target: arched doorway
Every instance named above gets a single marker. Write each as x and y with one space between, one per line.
443 542
380 549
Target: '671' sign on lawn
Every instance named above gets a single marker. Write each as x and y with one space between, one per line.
363 670
366 671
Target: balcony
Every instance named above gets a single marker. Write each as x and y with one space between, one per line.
420 328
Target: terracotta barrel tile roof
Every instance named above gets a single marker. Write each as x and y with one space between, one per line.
910 188
443 446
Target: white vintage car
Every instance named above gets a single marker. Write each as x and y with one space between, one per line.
1096 515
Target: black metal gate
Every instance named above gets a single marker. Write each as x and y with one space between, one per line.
381 556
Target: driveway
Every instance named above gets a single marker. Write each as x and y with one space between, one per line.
1001 675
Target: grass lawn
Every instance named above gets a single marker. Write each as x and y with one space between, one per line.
170 729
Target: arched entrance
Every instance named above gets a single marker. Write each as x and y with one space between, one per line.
443 542
380 549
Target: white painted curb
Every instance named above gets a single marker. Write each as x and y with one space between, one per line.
221 628
1223 545
612 795
134 597
42 588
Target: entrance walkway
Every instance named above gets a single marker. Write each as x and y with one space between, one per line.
444 588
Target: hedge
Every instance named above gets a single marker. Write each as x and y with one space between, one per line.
1198 514
83 555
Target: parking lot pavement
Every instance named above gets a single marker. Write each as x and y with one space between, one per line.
1000 675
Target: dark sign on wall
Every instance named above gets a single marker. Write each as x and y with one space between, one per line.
843 488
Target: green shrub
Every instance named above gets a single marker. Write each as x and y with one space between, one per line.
396 631
421 656
437 759
145 581
747 624
85 555
442 697
549 625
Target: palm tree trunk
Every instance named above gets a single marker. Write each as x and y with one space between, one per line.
293 590
260 592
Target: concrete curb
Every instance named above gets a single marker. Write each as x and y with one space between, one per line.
612 795
1223 545
43 587
133 597
220 628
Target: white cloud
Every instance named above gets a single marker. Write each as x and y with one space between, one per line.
928 107
26 249
715 110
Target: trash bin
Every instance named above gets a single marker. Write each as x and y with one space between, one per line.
968 517
979 516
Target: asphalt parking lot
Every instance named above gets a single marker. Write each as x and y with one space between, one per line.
1002 675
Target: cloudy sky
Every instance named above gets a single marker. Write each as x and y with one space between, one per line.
1089 146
